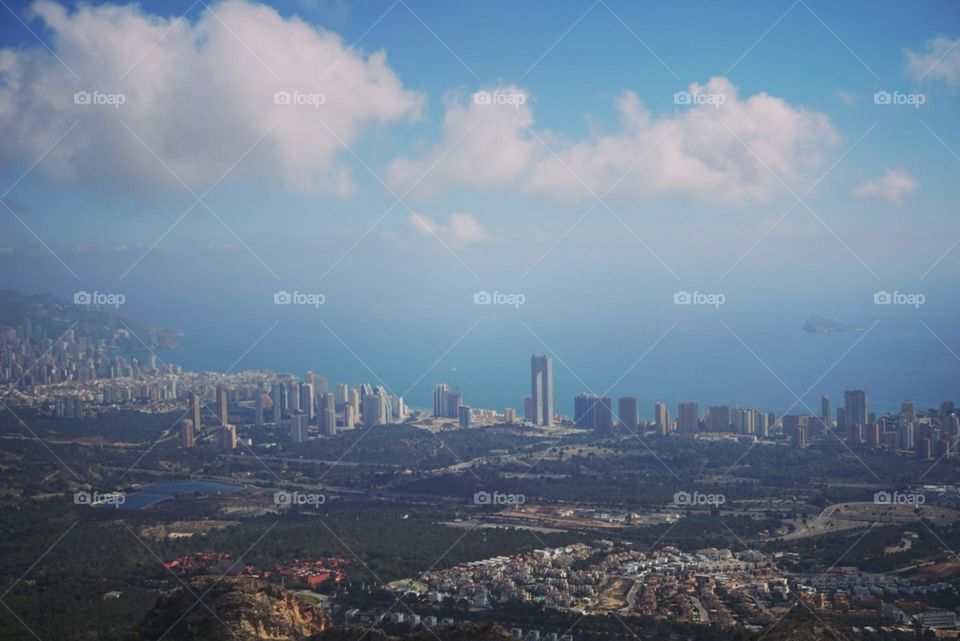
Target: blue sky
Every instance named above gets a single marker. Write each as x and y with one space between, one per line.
502 196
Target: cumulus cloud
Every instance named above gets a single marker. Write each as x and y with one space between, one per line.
485 143
940 60
891 187
240 80
461 229
718 147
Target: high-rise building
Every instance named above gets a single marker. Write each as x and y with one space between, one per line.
661 418
222 399
905 436
826 411
343 394
453 404
908 411
541 389
855 406
718 418
688 414
583 411
440 400
307 403
509 416
195 406
227 439
298 427
603 416
374 410
466 416
628 415
328 414
258 405
528 409
349 416
841 419
278 402
186 433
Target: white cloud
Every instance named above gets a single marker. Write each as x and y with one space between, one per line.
726 152
939 61
891 187
736 151
484 144
199 97
847 98
461 229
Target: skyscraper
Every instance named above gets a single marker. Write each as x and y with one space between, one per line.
298 427
278 403
628 414
662 418
826 412
687 416
583 408
195 408
541 389
603 416
328 414
228 437
307 400
453 404
718 418
466 416
258 408
855 404
440 400
186 433
222 398
374 410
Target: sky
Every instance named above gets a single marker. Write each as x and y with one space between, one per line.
398 157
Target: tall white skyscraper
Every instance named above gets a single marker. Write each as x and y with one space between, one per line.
541 389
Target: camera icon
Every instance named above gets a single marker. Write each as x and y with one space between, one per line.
82 98
682 98
682 498
682 298
482 498
82 298
882 298
282 98
482 98
883 498
82 498
482 298
282 498
882 98
282 298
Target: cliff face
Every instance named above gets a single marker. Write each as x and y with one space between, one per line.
242 609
